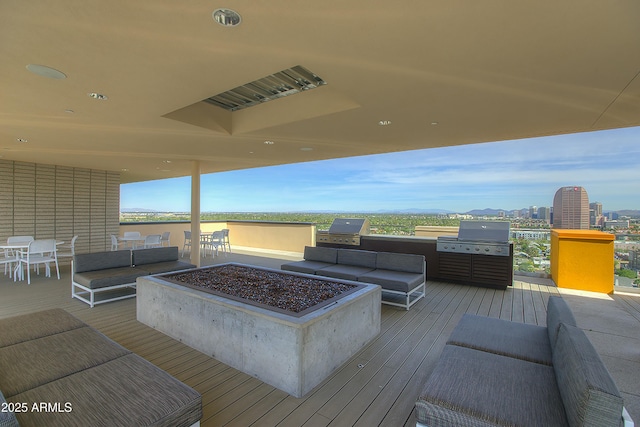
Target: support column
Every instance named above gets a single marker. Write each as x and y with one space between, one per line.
195 213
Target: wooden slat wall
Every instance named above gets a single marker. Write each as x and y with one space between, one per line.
97 210
24 199
82 209
6 198
45 201
112 207
48 201
64 204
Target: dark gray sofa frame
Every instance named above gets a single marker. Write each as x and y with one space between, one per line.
101 277
402 277
494 372
54 358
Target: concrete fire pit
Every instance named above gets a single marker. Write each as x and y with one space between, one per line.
293 352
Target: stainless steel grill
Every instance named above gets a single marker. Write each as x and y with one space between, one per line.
478 237
344 231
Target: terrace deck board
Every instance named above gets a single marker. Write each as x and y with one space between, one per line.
377 386
631 304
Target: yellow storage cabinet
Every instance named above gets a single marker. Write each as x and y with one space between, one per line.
583 260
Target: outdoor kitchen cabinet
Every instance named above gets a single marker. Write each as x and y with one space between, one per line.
467 269
475 269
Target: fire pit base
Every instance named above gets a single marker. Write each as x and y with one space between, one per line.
293 354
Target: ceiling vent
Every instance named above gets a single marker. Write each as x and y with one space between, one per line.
284 83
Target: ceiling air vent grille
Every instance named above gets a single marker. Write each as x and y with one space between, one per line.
284 83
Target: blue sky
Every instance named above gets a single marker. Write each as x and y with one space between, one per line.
500 175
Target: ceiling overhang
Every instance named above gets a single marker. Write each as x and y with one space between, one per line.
443 73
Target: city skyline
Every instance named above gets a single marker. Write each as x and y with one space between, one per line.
505 175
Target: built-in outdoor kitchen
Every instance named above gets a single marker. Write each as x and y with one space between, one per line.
480 254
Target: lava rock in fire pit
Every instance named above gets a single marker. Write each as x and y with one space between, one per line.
284 291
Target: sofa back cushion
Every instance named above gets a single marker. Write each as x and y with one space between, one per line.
315 253
101 260
589 394
154 255
558 312
31 326
400 262
357 257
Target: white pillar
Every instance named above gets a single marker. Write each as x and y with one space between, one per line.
195 213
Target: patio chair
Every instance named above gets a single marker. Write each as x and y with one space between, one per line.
12 253
71 249
38 252
152 241
165 238
205 243
8 258
187 242
213 242
226 241
114 242
132 238
15 240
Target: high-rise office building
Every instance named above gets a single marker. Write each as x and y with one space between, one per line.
595 214
544 213
571 208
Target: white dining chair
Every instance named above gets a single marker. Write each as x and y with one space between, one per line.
38 252
70 251
216 240
187 242
14 253
153 241
132 236
205 243
226 241
165 238
8 258
16 240
114 242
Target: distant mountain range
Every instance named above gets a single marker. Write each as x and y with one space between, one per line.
633 213
137 210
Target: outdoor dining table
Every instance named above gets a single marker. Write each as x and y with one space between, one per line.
19 248
131 240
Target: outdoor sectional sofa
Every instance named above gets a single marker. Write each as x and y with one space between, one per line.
494 372
112 275
402 277
55 370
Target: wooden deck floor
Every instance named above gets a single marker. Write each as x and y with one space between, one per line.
378 386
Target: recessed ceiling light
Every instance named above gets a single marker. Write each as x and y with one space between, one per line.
99 96
227 17
44 71
22 140
384 122
434 123
69 111
124 170
269 142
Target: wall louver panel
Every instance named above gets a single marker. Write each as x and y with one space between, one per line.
47 201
